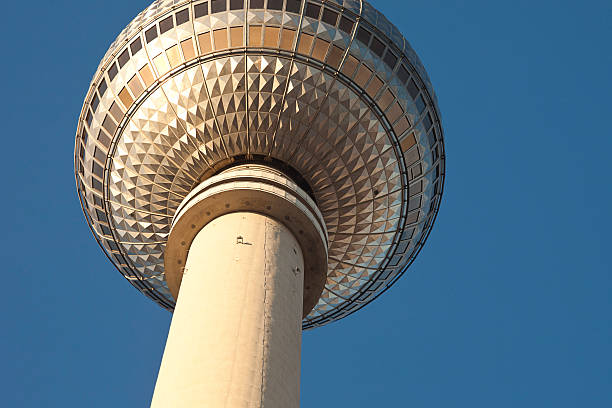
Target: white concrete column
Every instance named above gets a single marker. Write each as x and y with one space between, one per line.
235 337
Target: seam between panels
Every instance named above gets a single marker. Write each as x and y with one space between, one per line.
263 337
178 119
246 103
197 44
356 123
246 78
213 108
404 210
160 87
171 77
291 65
199 63
335 79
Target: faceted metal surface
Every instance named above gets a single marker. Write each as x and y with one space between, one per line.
330 88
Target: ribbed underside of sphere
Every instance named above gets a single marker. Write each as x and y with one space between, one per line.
331 90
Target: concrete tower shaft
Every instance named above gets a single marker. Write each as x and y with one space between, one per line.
236 332
243 279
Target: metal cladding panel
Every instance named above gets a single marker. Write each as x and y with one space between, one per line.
330 88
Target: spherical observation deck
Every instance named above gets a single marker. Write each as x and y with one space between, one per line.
330 91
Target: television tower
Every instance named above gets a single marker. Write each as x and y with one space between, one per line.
258 168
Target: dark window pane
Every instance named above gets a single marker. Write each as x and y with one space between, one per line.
236 4
102 138
98 171
378 47
89 118
363 35
217 6
413 90
94 103
401 248
97 186
420 103
84 136
105 229
329 16
166 25
182 17
112 71
403 74
293 6
100 155
116 112
151 34
432 140
427 121
136 46
312 10
414 189
102 87
101 216
390 59
109 125
346 25
123 58
257 4
275 4
201 9
414 203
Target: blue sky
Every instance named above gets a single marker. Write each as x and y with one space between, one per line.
509 303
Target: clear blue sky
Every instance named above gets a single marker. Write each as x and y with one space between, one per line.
508 305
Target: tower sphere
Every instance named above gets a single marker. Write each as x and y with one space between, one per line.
327 92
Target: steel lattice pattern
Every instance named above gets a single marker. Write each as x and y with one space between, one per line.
330 88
